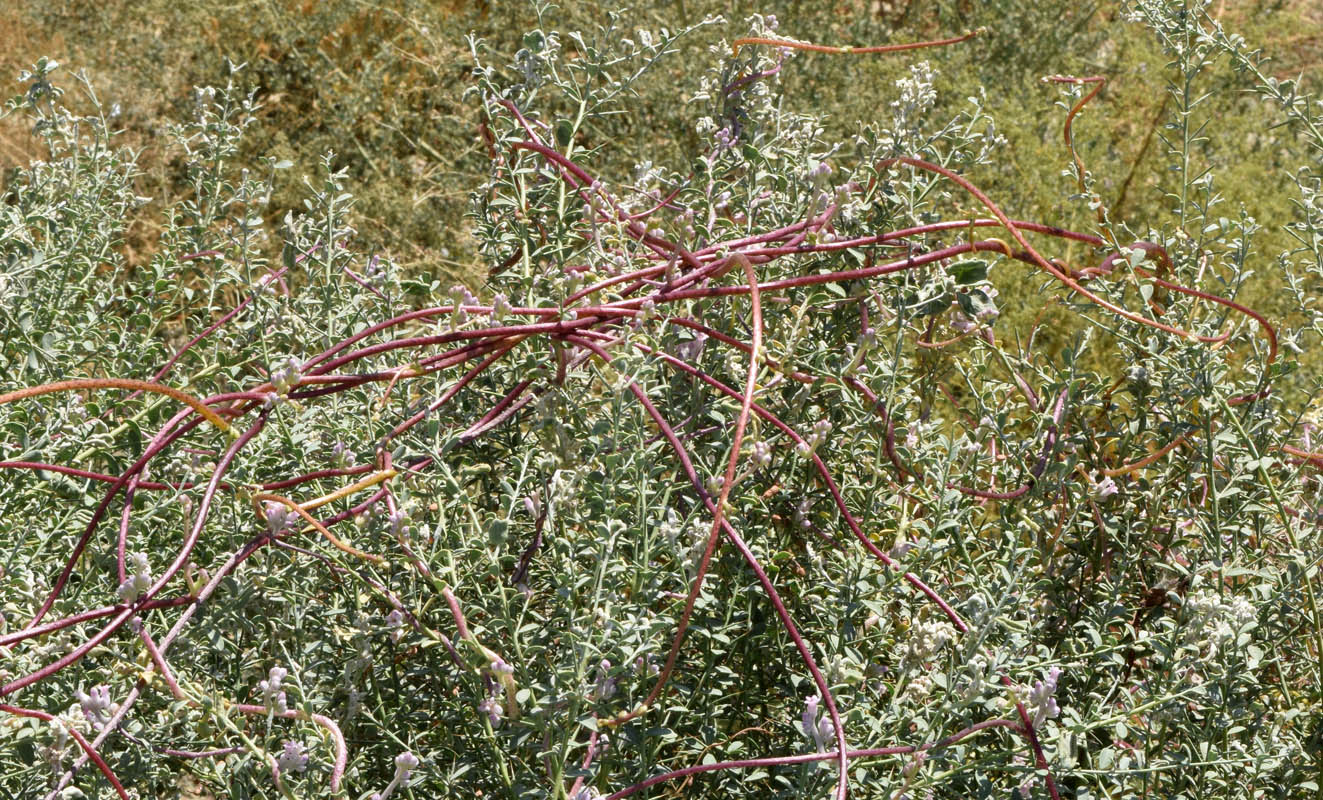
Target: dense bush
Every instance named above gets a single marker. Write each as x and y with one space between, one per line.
730 482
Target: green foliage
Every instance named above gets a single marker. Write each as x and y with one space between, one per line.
1121 521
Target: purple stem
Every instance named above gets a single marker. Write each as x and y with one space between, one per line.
808 758
786 620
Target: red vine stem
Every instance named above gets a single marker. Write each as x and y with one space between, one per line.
847 49
1043 263
786 620
808 758
78 737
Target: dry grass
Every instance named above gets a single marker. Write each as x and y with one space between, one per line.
382 84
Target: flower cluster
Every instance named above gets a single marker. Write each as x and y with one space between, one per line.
816 437
460 296
927 638
285 375
139 579
605 684
273 696
817 726
97 706
293 757
1211 621
405 764
279 517
491 706
377 272
1042 698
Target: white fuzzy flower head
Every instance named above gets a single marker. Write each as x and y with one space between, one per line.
1212 622
917 690
405 764
762 454
293 757
96 705
821 429
927 638
285 375
917 96
138 581
395 622
272 695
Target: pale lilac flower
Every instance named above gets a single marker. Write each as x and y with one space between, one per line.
1105 488
809 719
723 139
989 312
1042 699
460 296
395 621
818 729
292 758
492 709
915 431
819 173
375 272
398 519
279 517
96 705
605 686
